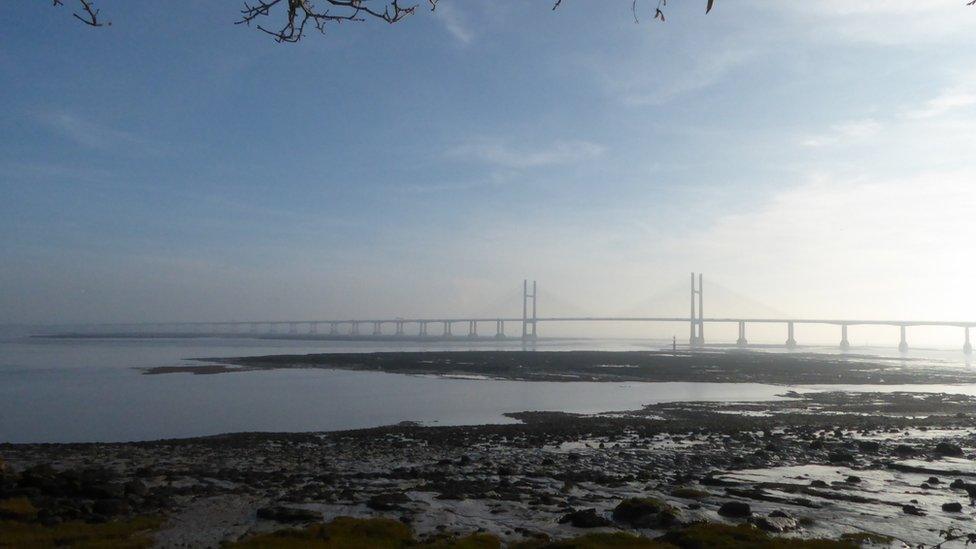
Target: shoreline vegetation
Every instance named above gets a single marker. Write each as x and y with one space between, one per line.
827 470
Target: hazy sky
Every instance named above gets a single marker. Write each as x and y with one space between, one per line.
815 156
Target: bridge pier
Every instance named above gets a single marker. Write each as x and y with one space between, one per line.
499 329
354 330
472 328
742 335
292 327
333 328
271 327
423 329
399 327
903 344
845 345
377 328
447 328
790 340
967 347
313 327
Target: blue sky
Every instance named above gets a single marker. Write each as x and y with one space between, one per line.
817 156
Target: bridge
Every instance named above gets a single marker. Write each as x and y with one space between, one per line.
454 327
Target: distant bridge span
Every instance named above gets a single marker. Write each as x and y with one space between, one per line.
528 323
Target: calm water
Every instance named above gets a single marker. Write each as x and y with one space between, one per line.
90 390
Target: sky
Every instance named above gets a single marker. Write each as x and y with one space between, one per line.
814 158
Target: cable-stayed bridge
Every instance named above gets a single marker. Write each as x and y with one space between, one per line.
500 327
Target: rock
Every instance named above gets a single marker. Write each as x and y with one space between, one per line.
958 484
853 479
777 524
585 518
912 510
817 483
948 449
868 446
280 513
387 502
904 450
110 507
954 507
934 480
135 488
644 512
925 486
735 509
840 456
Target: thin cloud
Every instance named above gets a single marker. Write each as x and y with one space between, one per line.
636 86
886 22
947 101
89 134
845 134
455 22
505 155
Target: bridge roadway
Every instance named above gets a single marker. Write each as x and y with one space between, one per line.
448 324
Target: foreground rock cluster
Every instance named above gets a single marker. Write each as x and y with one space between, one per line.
888 467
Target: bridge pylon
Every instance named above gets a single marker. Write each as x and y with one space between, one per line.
697 337
528 321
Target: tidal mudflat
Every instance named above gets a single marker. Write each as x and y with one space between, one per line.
886 468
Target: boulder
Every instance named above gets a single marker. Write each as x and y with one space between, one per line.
840 456
948 449
585 518
776 524
644 513
912 510
954 507
870 446
735 509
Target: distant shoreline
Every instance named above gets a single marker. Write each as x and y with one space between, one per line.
605 366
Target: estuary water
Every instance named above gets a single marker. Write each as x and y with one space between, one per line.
87 390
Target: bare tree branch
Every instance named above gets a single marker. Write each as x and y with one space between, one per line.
300 13
89 15
317 14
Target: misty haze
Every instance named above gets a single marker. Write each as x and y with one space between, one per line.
488 274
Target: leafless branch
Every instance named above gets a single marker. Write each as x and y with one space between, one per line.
302 13
317 14
89 15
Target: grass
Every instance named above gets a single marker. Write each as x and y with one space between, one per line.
745 536
381 533
130 534
343 532
867 538
17 509
351 533
616 540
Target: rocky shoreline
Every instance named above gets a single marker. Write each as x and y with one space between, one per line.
875 467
